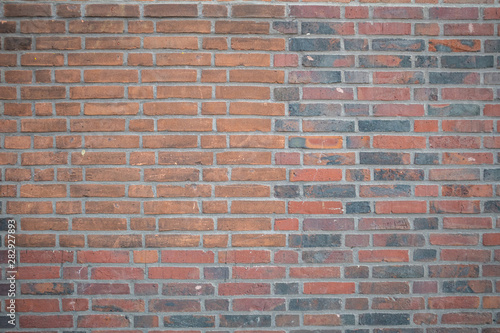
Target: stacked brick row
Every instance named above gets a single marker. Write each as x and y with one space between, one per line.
252 167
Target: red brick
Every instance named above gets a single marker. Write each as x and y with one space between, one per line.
226 289
241 59
298 175
37 305
384 94
43 27
214 10
95 59
170 10
286 60
241 27
245 256
397 13
27 10
117 273
46 224
258 207
383 256
444 13
261 11
454 207
68 10
258 304
88 321
171 207
140 27
98 10
181 43
356 12
178 273
315 11
454 302
315 207
401 207
257 76
465 256
140 59
381 288
242 92
427 29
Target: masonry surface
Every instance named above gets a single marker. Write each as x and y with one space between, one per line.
251 166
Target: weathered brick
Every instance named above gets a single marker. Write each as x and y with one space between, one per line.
414 45
328 61
384 125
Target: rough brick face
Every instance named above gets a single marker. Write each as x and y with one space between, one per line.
206 166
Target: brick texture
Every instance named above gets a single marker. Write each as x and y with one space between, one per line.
229 166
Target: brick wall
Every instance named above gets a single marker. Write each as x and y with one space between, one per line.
252 167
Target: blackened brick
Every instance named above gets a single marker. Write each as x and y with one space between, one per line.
357 272
382 158
492 206
327 126
182 321
286 288
314 110
453 78
467 287
384 125
314 77
453 110
286 125
424 255
326 28
426 223
382 319
491 175
398 272
316 240
426 158
330 191
358 207
314 44
245 321
314 304
318 60
467 61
